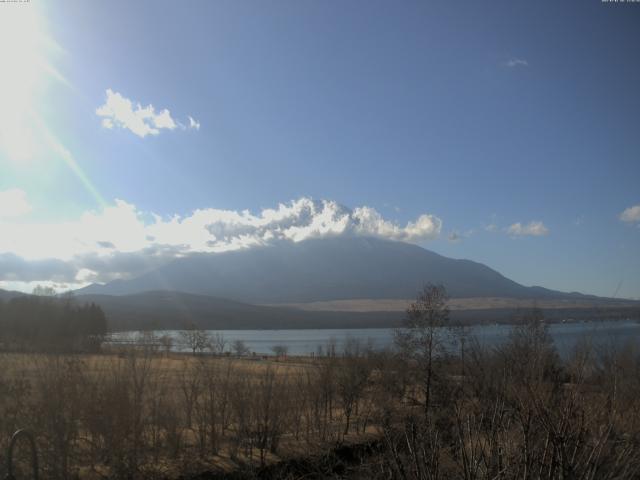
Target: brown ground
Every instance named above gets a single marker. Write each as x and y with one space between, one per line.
476 303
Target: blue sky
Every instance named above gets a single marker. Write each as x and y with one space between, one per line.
512 128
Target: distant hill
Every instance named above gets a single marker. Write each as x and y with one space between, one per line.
170 310
325 269
9 294
176 310
160 310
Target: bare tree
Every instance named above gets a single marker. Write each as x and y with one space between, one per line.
190 386
148 341
269 405
167 343
44 291
217 343
351 379
461 333
240 348
196 340
421 339
280 350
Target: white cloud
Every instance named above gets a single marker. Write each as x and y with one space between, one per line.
117 242
193 123
163 119
367 221
22 286
631 214
14 203
119 111
533 228
516 62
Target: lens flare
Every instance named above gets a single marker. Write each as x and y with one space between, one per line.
27 72
23 47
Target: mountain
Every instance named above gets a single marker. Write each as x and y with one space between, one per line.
324 269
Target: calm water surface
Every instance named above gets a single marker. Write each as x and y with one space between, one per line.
306 342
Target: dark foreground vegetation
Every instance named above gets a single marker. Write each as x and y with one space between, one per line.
517 412
47 323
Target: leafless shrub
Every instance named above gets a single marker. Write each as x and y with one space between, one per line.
58 404
352 378
239 348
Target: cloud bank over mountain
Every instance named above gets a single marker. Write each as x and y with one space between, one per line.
120 241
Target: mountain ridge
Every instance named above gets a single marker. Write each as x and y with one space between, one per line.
338 268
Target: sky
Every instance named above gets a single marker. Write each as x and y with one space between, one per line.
504 132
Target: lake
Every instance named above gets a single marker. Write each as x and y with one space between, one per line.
306 342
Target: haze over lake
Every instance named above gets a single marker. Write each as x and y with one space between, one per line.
307 341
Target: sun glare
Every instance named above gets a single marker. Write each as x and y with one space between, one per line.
25 71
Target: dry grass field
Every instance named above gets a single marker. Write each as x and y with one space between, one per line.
143 413
480 303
